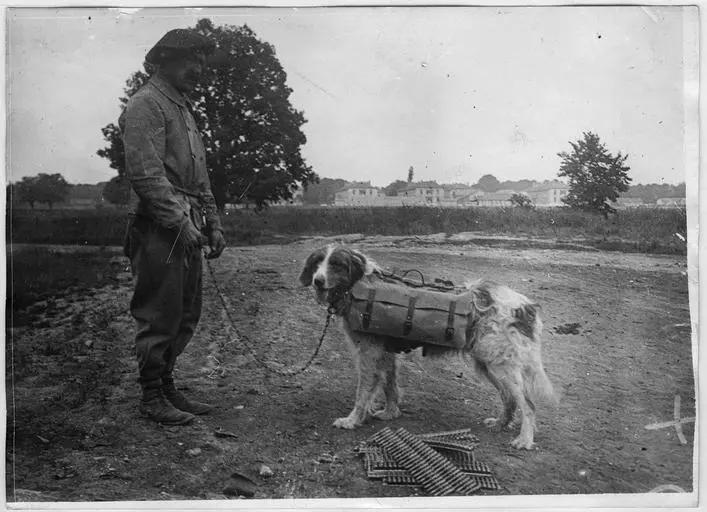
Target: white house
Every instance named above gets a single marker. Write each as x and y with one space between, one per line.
425 192
548 194
358 194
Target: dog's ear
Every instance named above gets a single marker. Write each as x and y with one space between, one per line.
310 266
357 265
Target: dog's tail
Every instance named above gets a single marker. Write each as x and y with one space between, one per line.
536 382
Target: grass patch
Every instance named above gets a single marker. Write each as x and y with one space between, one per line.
38 273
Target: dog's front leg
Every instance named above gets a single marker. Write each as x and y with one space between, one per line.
368 355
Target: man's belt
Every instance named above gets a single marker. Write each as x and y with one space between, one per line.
188 192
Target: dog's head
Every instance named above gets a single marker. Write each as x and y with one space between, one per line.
333 270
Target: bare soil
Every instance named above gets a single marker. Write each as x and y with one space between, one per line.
617 346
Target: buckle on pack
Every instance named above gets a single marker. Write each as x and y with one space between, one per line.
407 326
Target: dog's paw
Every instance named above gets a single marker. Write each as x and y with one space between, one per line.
347 423
498 425
386 414
522 443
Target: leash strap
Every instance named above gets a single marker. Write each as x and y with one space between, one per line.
246 341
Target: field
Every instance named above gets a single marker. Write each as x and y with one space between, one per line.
657 231
74 432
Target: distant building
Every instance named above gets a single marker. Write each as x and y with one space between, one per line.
671 202
500 198
548 194
457 190
427 192
358 194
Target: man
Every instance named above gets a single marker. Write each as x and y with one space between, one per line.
165 162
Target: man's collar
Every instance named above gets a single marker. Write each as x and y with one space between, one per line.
168 90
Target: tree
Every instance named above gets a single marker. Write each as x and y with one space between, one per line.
596 177
394 188
488 183
651 192
411 174
25 190
117 191
43 188
522 201
323 191
251 132
518 186
115 152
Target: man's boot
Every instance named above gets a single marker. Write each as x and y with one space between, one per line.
157 408
181 402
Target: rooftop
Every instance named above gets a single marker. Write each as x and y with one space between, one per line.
552 185
357 184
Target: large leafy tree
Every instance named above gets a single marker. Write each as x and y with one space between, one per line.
251 132
114 151
596 177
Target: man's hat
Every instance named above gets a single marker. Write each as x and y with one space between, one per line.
181 41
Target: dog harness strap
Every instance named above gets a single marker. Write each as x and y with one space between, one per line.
470 325
369 308
449 333
407 326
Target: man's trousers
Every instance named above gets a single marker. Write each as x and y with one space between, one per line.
166 303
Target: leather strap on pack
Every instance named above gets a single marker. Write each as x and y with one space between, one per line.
407 326
369 308
449 333
470 325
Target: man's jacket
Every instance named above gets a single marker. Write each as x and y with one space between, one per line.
165 158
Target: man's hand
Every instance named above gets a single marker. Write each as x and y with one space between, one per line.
191 237
217 243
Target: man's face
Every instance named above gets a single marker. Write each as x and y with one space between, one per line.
183 73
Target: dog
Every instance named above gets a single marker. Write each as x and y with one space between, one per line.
506 346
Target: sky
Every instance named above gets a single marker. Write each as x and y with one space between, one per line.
454 92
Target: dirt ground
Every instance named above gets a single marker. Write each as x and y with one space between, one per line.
74 432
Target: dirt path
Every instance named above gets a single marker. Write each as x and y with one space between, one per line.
74 393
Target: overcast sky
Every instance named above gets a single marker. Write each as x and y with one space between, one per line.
454 92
